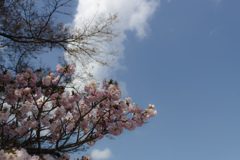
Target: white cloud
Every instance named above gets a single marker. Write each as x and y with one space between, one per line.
134 16
97 154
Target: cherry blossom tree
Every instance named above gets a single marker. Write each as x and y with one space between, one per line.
41 118
42 115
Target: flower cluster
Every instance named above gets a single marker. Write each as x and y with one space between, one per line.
36 108
21 154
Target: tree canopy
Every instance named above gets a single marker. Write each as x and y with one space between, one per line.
41 115
29 28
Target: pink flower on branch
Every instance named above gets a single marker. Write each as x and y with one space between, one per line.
46 113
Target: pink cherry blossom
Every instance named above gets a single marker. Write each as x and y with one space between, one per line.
99 111
47 80
60 69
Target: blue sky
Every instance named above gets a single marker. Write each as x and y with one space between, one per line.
183 57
